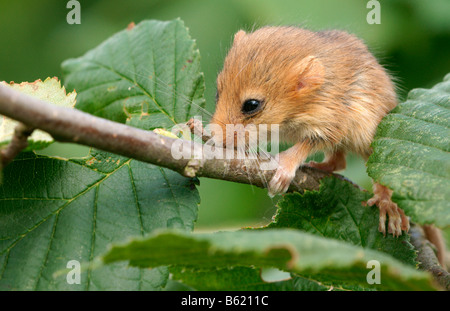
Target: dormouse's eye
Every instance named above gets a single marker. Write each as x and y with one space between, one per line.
251 106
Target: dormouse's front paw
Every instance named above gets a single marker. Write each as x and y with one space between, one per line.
280 181
288 163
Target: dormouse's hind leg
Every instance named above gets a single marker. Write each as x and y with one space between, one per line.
333 162
434 235
398 221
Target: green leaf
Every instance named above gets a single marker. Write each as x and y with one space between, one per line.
411 154
51 91
286 249
54 210
148 76
336 211
240 279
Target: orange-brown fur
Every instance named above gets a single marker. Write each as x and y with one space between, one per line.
345 91
325 90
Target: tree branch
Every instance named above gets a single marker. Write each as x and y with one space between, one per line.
74 126
17 144
427 258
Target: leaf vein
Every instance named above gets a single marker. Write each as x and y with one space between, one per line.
52 236
138 85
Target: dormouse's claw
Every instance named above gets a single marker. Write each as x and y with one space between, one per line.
280 182
194 124
371 201
382 221
404 220
382 228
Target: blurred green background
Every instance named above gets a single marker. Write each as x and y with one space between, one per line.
412 41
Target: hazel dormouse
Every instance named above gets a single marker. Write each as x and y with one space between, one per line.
324 89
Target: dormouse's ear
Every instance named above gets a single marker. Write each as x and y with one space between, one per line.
309 74
238 36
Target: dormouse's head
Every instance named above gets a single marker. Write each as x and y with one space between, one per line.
269 76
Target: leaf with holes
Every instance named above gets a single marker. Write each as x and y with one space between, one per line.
333 212
411 154
286 249
241 278
51 91
55 210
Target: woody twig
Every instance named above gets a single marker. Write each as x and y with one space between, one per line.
74 126
18 143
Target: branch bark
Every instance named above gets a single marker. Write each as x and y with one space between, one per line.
427 258
74 126
18 143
